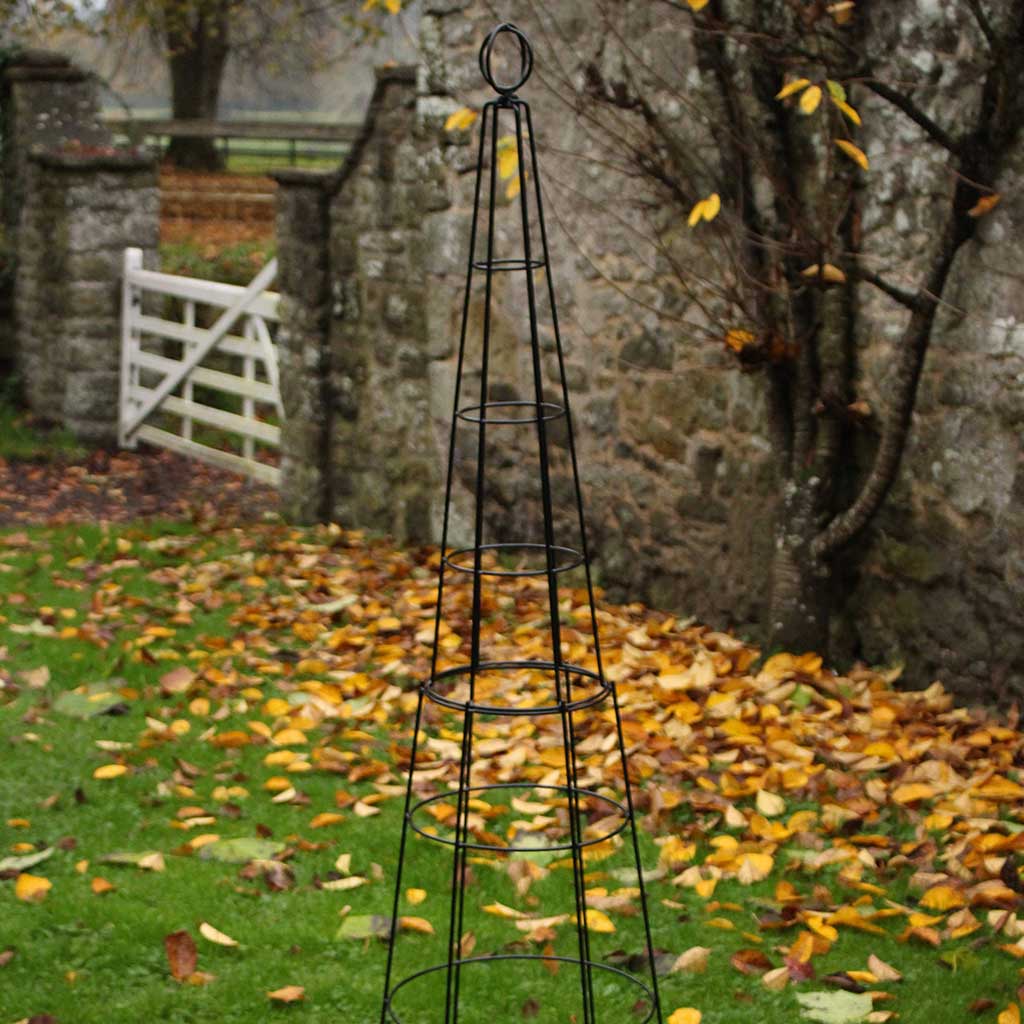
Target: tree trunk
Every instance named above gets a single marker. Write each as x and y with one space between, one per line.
801 595
197 55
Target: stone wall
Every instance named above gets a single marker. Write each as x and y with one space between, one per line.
78 214
45 101
678 471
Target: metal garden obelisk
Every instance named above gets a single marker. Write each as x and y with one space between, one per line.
552 690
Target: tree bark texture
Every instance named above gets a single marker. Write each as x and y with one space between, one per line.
198 51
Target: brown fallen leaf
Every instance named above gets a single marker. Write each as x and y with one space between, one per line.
182 955
750 961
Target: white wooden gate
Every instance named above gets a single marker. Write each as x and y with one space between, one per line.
208 392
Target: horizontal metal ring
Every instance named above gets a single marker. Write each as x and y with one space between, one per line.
533 957
574 559
551 412
507 263
528 787
602 691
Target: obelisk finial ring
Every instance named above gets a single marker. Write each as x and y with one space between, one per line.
525 58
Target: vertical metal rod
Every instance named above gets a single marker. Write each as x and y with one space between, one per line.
590 585
579 884
453 977
440 585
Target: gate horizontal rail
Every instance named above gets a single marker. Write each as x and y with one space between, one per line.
208 392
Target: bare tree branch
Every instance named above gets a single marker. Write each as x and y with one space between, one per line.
903 102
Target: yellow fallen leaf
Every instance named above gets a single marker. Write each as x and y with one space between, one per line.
289 737
754 867
109 771
211 934
415 896
685 1015
416 924
855 153
288 994
771 805
32 888
100 886
911 792
509 913
809 99
599 921
326 818
1011 1015
776 979
698 5
943 897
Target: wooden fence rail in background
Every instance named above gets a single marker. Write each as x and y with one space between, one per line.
158 130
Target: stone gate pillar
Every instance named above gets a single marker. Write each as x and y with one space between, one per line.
79 213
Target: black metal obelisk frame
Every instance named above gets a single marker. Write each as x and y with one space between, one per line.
493 686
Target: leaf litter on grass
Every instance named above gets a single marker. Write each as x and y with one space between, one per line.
867 809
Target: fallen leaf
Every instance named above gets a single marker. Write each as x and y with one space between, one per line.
211 934
883 971
835 1007
685 1015
182 955
32 888
288 994
241 850
694 960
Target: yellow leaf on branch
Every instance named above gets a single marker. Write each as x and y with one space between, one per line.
810 99
706 209
847 110
829 272
984 205
460 120
856 154
792 87
508 157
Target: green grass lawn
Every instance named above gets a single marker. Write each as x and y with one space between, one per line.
123 607
21 439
